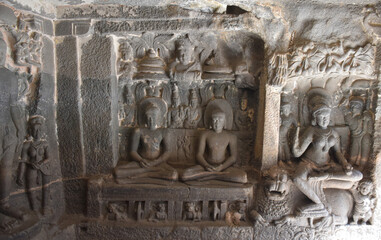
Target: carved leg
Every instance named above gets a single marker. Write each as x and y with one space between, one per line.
163 171
355 151
355 219
31 182
198 173
45 196
233 174
129 170
300 180
341 180
365 151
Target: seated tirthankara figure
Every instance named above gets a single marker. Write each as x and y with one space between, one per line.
149 150
217 152
316 172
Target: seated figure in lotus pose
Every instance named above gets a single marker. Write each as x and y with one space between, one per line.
316 171
217 152
149 151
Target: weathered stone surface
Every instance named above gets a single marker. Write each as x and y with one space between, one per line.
141 99
75 196
68 109
96 94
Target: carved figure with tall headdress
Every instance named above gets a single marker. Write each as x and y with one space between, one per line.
186 68
314 147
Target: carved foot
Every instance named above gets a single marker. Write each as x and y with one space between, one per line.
313 210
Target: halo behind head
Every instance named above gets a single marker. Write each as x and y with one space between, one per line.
219 105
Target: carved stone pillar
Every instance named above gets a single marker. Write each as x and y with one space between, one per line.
96 101
271 127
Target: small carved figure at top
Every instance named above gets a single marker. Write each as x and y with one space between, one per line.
364 202
242 118
150 147
217 152
360 123
216 68
126 66
244 78
127 110
192 212
316 171
186 68
288 122
151 67
193 111
35 164
177 112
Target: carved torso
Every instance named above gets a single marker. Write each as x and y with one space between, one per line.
360 125
286 123
217 147
193 117
37 150
177 117
322 141
150 142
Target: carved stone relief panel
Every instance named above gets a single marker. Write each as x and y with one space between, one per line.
26 155
188 71
327 101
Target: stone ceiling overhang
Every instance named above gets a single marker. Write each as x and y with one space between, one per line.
57 8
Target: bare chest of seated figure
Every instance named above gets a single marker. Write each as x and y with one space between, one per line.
217 147
323 141
150 143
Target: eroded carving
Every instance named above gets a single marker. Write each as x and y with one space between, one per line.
244 116
360 122
334 58
177 112
35 165
364 202
192 211
159 212
12 132
117 211
236 213
288 123
193 111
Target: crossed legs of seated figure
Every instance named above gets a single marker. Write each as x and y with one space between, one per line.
133 170
312 185
230 174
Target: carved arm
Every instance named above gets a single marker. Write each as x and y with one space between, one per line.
233 154
201 150
340 157
299 148
166 153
